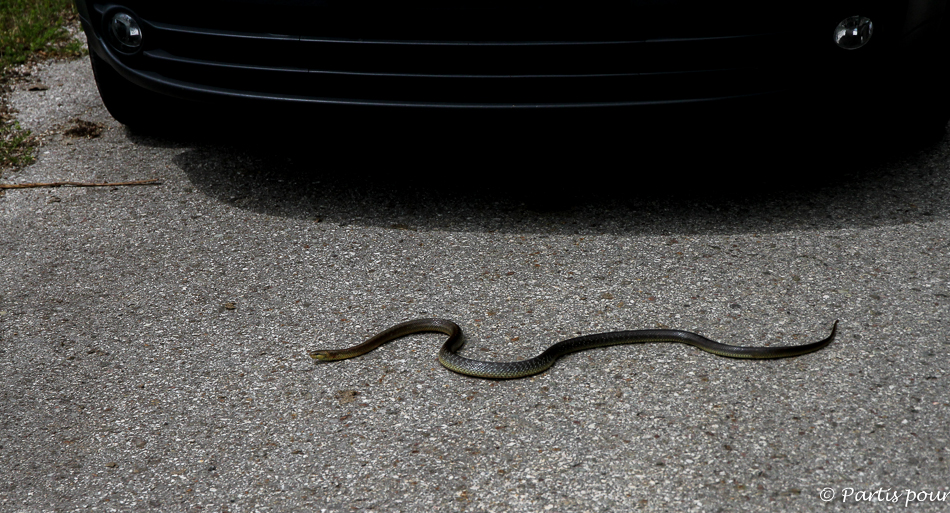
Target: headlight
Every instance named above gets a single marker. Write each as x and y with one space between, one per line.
854 32
126 33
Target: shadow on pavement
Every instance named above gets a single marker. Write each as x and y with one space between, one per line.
564 175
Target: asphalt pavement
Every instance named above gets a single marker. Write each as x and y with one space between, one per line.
154 338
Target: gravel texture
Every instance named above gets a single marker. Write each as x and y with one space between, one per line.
153 339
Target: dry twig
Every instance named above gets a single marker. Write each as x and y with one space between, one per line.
77 184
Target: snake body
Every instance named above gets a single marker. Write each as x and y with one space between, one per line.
449 358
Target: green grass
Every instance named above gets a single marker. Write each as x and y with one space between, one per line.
29 30
32 29
16 148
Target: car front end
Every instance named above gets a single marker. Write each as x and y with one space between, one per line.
512 55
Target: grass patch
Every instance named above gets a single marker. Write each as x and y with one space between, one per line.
29 30
16 146
36 29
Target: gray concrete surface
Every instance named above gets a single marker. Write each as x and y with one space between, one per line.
129 382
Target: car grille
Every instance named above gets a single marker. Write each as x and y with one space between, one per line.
488 57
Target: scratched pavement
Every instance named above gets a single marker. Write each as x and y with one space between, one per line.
153 339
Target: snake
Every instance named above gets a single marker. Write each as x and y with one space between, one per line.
450 359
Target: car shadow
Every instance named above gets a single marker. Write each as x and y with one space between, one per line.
567 179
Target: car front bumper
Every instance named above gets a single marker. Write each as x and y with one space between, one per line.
493 56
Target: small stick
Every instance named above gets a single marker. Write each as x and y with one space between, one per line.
77 184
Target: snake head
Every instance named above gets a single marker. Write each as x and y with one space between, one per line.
322 356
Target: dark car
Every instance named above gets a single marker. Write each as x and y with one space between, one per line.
854 60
